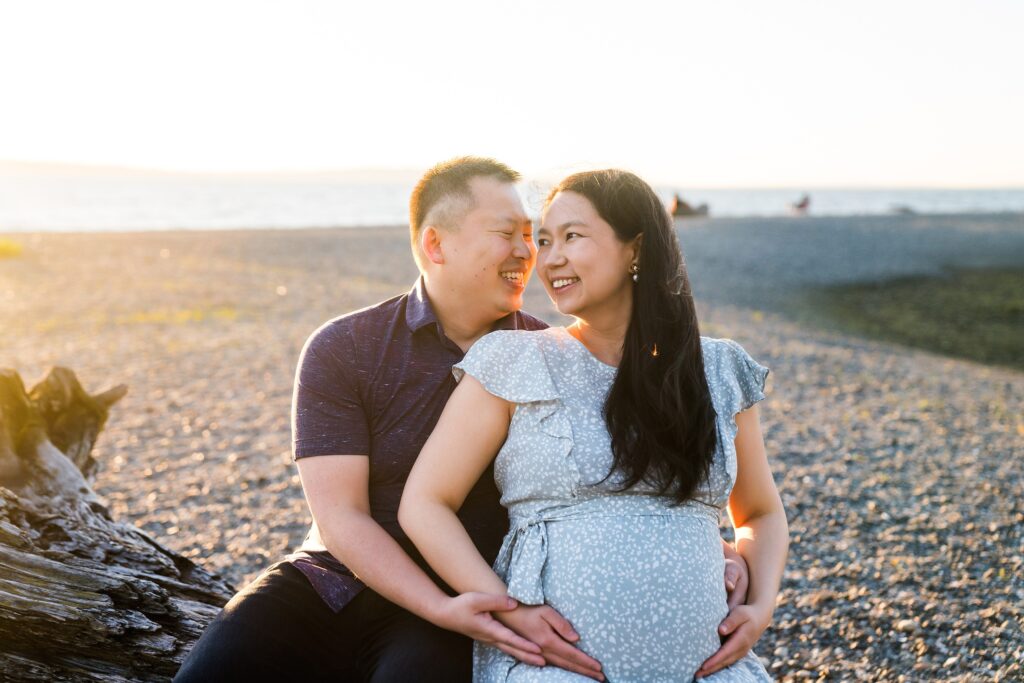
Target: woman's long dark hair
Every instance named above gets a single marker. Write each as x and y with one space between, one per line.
659 409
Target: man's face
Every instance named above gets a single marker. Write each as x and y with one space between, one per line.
490 254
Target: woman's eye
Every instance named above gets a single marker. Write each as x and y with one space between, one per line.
543 242
570 235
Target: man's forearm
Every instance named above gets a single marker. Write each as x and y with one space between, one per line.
379 562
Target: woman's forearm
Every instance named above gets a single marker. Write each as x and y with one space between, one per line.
444 543
763 541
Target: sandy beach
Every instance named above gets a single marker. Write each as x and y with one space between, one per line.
902 471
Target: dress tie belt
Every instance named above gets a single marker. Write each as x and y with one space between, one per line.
524 552
521 561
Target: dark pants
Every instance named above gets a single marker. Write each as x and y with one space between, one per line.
278 628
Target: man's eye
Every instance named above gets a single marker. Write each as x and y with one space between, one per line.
543 242
570 235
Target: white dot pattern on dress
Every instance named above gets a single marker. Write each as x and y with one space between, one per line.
639 579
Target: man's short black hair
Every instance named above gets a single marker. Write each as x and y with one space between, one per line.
445 187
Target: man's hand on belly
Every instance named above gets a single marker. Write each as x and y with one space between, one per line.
554 634
737 578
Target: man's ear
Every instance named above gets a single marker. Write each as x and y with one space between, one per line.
430 244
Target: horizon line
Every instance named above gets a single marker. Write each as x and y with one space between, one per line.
85 167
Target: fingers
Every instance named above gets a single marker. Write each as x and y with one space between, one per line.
561 625
488 602
573 666
575 659
739 593
732 621
548 629
521 655
501 635
735 647
567 656
736 580
728 624
732 573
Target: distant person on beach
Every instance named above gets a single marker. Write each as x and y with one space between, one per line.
680 208
801 206
616 443
357 602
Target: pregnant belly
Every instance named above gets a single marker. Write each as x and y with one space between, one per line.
645 593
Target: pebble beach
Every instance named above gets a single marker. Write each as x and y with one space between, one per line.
902 471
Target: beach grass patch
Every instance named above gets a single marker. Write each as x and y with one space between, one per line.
47 325
976 314
181 316
10 249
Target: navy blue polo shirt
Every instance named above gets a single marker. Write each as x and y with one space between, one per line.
374 383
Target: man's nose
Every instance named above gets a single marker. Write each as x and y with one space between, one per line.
522 249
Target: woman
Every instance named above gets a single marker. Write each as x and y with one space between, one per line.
618 440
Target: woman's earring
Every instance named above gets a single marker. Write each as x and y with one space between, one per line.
635 270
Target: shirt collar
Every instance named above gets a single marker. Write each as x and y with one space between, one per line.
419 313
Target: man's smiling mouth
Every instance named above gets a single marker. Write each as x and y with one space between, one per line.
515 277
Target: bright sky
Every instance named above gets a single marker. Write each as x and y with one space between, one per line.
701 94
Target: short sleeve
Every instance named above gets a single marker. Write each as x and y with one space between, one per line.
510 365
741 376
328 417
750 375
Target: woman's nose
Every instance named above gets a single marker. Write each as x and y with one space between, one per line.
553 255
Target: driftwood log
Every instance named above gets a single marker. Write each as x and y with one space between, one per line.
82 597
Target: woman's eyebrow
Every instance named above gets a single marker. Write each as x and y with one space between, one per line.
570 224
563 226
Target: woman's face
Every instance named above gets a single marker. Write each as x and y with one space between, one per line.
581 261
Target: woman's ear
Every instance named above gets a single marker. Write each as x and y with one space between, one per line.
637 242
430 243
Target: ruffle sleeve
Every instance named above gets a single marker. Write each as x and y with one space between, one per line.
741 377
510 365
736 382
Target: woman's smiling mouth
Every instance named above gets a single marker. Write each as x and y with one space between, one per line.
563 282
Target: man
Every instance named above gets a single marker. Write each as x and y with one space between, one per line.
369 389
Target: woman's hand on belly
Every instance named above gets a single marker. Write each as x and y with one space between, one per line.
547 628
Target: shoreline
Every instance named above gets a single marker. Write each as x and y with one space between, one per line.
682 223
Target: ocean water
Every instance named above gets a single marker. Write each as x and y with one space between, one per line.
98 202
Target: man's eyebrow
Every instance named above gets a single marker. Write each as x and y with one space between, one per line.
516 221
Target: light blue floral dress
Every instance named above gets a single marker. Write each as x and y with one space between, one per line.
640 580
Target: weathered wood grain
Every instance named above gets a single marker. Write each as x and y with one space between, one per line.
82 596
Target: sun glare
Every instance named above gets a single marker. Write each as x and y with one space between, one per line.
689 93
